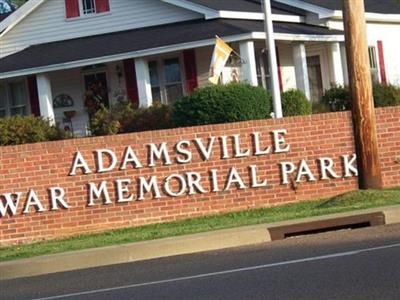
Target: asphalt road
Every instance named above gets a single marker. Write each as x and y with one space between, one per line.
357 264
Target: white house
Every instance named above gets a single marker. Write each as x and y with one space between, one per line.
56 56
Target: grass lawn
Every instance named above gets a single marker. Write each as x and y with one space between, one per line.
346 202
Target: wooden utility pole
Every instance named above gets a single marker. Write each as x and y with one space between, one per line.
363 111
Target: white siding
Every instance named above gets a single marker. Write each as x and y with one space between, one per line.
387 33
48 23
70 82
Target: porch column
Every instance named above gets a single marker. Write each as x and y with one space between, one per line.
248 70
45 97
343 56
336 62
300 66
143 82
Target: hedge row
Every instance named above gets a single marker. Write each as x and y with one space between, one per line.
28 129
209 105
339 98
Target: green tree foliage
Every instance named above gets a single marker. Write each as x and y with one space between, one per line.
19 3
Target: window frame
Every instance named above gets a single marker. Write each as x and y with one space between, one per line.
264 76
374 63
82 9
5 107
8 107
162 84
83 16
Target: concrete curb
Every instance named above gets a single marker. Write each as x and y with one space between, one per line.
214 240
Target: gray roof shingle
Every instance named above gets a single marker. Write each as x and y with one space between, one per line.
374 6
138 39
246 6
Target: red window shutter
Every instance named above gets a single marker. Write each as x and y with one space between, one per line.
102 6
130 81
33 95
71 8
382 62
279 70
189 58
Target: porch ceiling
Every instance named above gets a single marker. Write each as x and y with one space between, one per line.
141 42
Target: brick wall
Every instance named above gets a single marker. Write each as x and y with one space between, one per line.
44 165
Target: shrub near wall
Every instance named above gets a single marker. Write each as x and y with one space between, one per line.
339 98
36 168
123 118
221 104
28 129
295 103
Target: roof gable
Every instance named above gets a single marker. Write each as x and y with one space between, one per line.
48 23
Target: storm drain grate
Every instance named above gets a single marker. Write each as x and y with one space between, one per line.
320 226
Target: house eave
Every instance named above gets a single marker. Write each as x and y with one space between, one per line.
320 11
324 13
225 14
371 17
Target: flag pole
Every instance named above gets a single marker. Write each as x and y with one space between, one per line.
270 46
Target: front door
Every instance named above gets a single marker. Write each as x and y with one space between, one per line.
96 91
315 77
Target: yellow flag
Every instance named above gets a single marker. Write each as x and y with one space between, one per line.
220 56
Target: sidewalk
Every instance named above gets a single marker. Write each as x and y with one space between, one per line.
214 240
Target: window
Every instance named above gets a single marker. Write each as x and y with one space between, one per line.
155 81
263 74
88 7
166 80
373 62
3 101
173 80
13 99
17 98
79 8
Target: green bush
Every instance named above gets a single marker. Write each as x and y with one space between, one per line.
339 98
28 129
386 95
155 117
123 118
320 108
295 103
113 120
222 103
